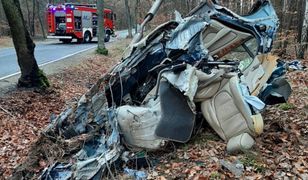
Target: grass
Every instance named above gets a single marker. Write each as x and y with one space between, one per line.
215 175
103 51
251 160
286 106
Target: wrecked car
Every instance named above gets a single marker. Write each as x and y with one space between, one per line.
212 64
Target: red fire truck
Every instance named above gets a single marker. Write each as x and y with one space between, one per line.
77 21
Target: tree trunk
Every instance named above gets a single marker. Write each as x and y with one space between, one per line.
137 4
31 75
242 6
28 14
40 18
101 48
129 20
300 18
33 18
290 9
304 34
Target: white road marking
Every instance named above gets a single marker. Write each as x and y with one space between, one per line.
44 64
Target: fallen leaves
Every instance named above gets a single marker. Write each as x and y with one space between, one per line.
25 113
281 151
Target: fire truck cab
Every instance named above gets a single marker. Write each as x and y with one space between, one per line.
77 21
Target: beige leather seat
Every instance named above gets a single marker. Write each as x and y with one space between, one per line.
226 111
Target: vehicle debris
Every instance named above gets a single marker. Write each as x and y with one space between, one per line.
237 168
212 62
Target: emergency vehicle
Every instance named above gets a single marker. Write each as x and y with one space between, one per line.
77 21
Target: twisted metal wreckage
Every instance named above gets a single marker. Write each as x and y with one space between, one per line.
212 64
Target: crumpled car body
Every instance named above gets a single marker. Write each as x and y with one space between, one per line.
212 64
231 67
208 34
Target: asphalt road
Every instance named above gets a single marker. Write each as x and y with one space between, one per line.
46 53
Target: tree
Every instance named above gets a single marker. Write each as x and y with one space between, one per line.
101 48
40 18
31 75
137 6
129 20
304 33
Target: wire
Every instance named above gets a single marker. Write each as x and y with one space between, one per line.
111 92
121 88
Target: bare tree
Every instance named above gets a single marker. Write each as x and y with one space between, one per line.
129 19
28 14
33 18
40 18
304 33
31 75
101 48
137 7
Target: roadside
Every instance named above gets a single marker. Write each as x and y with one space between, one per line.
9 84
6 41
24 113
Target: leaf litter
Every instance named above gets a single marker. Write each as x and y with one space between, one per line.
281 151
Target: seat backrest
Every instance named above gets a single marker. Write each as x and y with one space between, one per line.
227 112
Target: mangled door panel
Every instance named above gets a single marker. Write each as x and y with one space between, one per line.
259 72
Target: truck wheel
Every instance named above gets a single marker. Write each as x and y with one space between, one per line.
87 37
66 41
107 38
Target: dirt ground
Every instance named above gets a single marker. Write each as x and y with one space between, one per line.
281 151
5 42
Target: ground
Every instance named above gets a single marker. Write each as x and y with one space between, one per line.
5 42
280 151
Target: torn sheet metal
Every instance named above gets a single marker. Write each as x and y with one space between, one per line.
277 92
278 89
262 20
92 160
185 31
137 175
186 81
89 116
295 65
57 171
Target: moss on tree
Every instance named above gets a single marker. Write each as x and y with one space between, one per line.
102 51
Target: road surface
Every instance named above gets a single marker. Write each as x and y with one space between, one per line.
46 53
